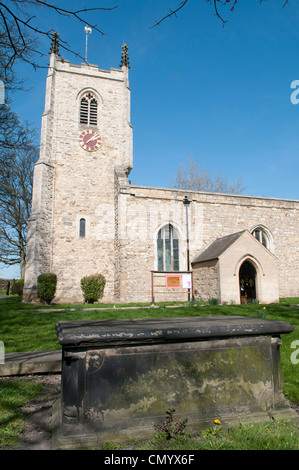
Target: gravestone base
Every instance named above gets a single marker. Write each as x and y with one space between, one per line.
121 376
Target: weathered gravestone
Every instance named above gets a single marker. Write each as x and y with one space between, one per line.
120 376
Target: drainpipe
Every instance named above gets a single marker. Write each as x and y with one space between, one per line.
186 203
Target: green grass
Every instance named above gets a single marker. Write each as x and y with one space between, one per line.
25 327
276 435
14 395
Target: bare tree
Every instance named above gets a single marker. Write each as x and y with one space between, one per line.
217 4
190 176
18 155
20 31
7 74
13 134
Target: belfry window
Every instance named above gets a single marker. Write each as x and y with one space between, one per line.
88 110
168 249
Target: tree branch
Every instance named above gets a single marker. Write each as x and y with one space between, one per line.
215 3
16 23
171 13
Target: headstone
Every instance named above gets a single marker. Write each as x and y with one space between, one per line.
120 376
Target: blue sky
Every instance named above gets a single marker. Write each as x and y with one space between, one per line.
219 94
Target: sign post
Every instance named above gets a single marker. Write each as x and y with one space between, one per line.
172 282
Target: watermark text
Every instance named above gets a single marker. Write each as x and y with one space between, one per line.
295 354
2 92
295 94
2 353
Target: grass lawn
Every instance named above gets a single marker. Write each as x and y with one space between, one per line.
277 435
14 395
25 327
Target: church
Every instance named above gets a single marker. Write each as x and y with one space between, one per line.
151 244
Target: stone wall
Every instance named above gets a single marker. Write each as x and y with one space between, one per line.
81 183
210 216
206 280
122 221
38 256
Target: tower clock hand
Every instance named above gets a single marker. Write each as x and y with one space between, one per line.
94 137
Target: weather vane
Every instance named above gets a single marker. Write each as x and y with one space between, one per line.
87 30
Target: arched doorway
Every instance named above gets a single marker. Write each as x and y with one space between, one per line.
247 279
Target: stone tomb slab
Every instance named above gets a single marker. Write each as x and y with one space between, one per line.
120 376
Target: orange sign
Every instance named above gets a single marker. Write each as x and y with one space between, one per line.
173 281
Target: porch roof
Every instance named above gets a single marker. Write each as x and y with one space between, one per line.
217 247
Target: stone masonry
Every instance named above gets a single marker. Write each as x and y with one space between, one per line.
123 220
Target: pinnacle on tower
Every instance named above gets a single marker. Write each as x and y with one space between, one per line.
55 44
124 56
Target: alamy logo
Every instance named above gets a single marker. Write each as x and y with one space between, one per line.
295 94
295 354
2 353
2 92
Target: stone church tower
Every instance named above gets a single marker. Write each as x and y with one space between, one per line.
85 156
87 218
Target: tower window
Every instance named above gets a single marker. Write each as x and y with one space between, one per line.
88 110
168 249
84 111
93 112
82 228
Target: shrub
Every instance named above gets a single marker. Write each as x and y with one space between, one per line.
93 287
17 287
46 287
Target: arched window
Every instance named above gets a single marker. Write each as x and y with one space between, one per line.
82 228
88 109
168 249
263 236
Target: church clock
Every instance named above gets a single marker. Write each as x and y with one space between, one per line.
90 140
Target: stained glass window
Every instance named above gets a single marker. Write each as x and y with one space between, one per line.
168 249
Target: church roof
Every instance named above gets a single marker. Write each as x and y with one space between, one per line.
217 247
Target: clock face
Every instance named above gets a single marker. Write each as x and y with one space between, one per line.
90 140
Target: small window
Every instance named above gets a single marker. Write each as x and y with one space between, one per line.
82 228
168 249
88 110
261 236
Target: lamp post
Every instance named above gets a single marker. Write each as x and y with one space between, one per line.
186 203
